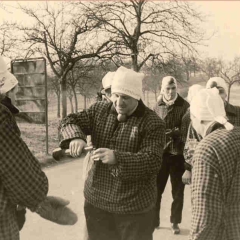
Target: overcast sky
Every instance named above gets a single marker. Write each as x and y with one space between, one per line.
223 18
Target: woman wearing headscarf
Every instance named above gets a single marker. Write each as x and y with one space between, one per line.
171 107
192 138
192 91
215 185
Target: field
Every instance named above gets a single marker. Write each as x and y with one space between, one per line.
35 134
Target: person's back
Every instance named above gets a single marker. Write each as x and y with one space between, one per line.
216 187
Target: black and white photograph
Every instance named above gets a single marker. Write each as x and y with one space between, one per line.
120 120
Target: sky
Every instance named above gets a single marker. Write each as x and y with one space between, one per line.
223 19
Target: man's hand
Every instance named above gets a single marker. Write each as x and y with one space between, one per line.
105 155
186 177
76 147
55 210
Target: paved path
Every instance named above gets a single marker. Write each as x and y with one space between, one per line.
66 181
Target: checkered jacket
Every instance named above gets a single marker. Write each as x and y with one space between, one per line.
130 185
189 134
215 189
172 116
21 179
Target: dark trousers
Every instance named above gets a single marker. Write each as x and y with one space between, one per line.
102 225
172 165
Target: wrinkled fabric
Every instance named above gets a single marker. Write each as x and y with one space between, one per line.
21 180
130 185
215 188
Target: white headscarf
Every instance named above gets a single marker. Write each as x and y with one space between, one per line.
7 80
127 81
207 105
220 82
107 81
193 90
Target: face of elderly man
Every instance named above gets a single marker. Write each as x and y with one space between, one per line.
170 91
123 103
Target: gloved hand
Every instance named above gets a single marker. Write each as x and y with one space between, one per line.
54 209
20 215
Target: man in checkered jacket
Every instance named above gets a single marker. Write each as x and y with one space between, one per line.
171 107
120 191
22 182
216 171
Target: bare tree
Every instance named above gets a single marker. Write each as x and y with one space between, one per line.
64 35
211 67
231 73
8 40
142 29
53 86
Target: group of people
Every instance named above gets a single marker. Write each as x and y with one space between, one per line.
194 141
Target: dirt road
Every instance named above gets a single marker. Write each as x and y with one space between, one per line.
66 181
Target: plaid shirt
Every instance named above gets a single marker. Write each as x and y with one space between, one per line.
172 116
215 187
21 179
189 134
130 185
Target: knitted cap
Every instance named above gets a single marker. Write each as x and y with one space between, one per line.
168 80
127 81
217 82
7 80
107 80
193 90
207 105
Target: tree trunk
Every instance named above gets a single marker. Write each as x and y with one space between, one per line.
71 104
85 102
58 105
134 62
75 100
64 97
229 89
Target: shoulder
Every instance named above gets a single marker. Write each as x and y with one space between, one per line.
221 143
152 118
182 102
186 116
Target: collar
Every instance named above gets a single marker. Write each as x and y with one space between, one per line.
230 109
211 127
178 102
139 112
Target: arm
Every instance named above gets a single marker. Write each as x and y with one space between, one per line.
20 172
77 125
184 126
147 161
207 202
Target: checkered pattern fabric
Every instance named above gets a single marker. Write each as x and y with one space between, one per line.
21 179
189 134
215 187
172 116
130 185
